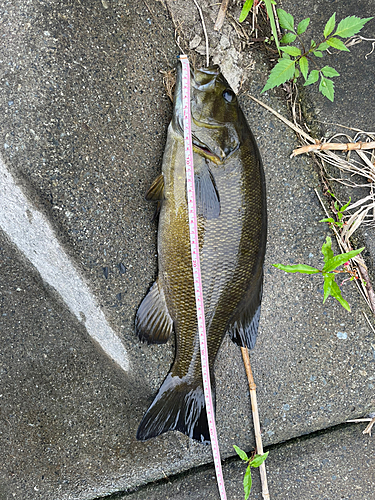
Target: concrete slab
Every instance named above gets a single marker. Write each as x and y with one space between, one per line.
77 133
337 464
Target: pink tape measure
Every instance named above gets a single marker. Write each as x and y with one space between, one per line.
194 246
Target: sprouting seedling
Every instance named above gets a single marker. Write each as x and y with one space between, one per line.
329 272
339 213
254 461
296 59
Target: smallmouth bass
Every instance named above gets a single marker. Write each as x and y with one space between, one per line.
232 230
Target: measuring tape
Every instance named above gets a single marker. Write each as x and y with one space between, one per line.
194 247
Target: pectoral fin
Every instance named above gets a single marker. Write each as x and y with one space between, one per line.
153 323
206 192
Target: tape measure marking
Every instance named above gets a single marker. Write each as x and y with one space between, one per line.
194 245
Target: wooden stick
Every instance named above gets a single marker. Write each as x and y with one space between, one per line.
254 407
221 15
350 146
370 425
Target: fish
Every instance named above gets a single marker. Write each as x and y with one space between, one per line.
232 232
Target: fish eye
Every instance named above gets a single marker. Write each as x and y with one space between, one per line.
229 95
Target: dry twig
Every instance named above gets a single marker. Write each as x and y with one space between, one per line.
221 15
254 407
324 146
370 425
204 31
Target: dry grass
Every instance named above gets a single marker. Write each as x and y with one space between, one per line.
169 82
359 171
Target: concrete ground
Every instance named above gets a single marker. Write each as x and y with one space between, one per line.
83 124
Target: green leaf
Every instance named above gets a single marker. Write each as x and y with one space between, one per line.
328 71
297 268
313 77
258 460
326 87
269 10
350 26
332 221
327 287
302 26
317 53
284 55
241 453
304 65
312 44
339 260
286 20
296 73
288 38
245 10
337 44
330 25
323 46
281 73
336 293
292 51
247 482
342 209
327 249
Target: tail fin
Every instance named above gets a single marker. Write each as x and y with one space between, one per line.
179 405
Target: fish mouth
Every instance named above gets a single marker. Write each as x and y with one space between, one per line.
205 76
203 150
200 78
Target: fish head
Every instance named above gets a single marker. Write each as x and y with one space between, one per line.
215 114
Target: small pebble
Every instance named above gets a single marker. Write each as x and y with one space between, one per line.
342 335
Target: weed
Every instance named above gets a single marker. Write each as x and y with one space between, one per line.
254 461
329 271
295 60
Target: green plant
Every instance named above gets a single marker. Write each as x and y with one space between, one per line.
268 3
329 271
339 213
254 461
295 60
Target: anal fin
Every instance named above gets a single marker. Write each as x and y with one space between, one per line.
153 323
